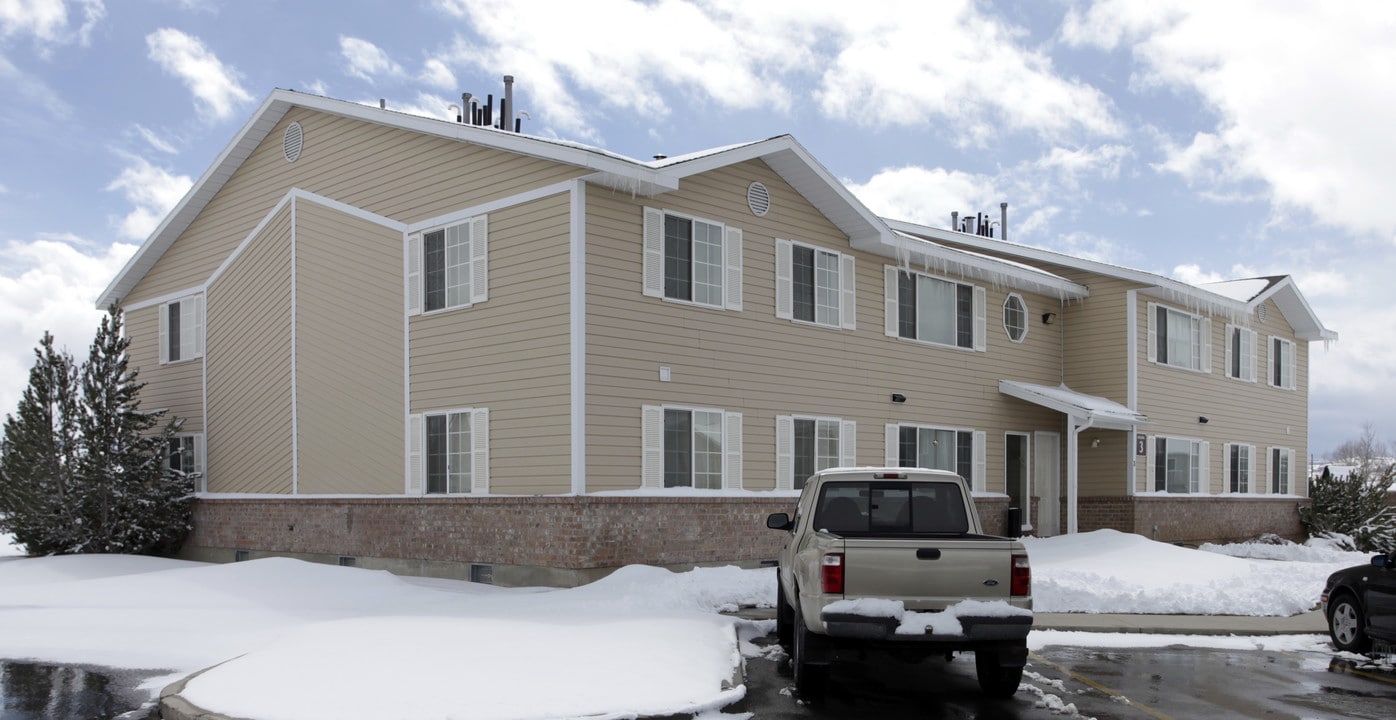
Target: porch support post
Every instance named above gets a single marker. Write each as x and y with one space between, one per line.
1073 442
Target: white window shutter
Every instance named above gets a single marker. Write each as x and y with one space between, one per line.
1291 365
414 274
200 451
979 483
189 328
479 259
889 292
732 451
1231 332
1227 475
785 452
1207 345
1153 332
199 315
848 304
654 253
416 462
1248 355
480 451
1204 467
652 446
1270 362
165 333
981 324
732 281
785 283
1149 443
892 453
848 443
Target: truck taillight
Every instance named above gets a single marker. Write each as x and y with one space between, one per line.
1020 583
832 573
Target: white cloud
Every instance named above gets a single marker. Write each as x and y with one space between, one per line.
155 141
1297 95
49 283
47 21
925 196
154 191
34 89
215 86
1193 274
366 60
436 74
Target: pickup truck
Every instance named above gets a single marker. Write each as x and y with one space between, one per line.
894 559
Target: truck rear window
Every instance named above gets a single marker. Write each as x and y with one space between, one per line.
891 508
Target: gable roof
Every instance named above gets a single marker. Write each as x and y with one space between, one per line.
1233 298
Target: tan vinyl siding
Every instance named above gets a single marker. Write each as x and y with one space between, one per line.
349 358
751 362
396 173
177 388
511 353
248 351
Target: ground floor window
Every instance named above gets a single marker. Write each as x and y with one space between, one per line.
186 455
1240 459
1281 471
960 451
691 447
1179 465
806 445
450 452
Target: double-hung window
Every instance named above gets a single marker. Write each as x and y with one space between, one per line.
1281 363
814 285
450 452
1240 353
182 329
448 267
1240 466
690 447
1179 339
934 310
185 456
806 445
959 451
692 260
1281 470
1178 465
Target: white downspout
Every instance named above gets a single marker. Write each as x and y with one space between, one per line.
1072 443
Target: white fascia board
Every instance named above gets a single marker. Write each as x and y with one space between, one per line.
1296 309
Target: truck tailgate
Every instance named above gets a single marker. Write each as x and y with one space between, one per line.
927 574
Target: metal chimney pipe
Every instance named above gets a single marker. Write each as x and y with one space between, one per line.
508 112
1003 221
382 103
955 220
465 108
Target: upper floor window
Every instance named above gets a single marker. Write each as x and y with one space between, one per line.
1281 363
1179 465
1240 461
450 452
806 445
814 285
692 260
1015 317
690 447
934 310
1281 471
182 329
1179 339
1240 353
959 451
449 267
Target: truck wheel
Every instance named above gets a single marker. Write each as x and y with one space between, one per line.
785 620
994 679
1345 624
809 678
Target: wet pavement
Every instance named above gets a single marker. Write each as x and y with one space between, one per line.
38 691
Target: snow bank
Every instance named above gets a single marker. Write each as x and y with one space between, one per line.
8 548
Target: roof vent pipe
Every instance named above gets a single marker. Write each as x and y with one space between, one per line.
1003 221
382 103
955 220
507 114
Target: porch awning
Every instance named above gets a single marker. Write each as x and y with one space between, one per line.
1095 411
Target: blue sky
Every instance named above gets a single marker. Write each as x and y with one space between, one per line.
1200 141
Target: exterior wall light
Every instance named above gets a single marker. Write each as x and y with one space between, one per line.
898 398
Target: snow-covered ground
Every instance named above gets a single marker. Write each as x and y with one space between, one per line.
320 641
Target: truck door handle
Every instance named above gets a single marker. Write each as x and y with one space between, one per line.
927 553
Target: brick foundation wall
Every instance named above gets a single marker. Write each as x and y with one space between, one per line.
1192 520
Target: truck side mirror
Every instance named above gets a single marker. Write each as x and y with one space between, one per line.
779 521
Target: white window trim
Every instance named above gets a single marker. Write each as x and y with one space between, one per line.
978 450
479 267
200 451
479 451
1251 488
1247 335
196 339
785 285
1291 366
653 260
785 445
652 446
1204 336
1026 325
1204 455
1270 470
979 318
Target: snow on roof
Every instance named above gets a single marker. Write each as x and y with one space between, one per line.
986 267
1102 412
1242 290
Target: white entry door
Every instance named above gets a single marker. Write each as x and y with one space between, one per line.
1047 470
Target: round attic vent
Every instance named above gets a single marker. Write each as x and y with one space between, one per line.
292 142
758 198
1260 312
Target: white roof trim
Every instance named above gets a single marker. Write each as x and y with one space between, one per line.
1099 411
994 270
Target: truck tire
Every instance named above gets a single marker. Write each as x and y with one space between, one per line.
785 617
810 679
995 680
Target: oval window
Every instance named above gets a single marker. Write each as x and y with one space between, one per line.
1015 317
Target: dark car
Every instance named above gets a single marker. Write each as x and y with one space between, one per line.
1360 604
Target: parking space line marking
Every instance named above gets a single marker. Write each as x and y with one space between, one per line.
1089 682
1360 673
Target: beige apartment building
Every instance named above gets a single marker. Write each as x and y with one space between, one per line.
441 348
